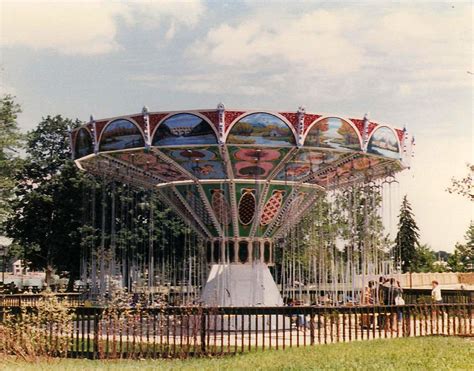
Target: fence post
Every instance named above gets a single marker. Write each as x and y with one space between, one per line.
311 326
203 332
96 354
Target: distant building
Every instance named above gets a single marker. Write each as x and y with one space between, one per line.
5 243
181 130
441 263
17 268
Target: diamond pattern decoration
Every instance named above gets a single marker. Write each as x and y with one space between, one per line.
272 207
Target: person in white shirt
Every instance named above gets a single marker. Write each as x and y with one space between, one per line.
436 293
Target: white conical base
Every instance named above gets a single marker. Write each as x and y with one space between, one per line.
241 285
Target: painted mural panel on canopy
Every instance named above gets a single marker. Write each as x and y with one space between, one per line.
121 134
255 162
184 129
202 162
151 163
304 163
384 142
84 145
333 133
261 129
359 166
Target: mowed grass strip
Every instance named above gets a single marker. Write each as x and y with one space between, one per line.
429 353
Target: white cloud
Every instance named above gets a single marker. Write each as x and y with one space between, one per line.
70 28
429 48
177 12
87 27
409 47
312 42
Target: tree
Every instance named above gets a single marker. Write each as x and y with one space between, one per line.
48 148
52 221
424 259
464 186
463 258
47 213
406 242
10 142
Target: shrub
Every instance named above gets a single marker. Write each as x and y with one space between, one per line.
40 331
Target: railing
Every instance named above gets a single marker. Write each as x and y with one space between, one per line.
411 296
423 296
192 331
18 300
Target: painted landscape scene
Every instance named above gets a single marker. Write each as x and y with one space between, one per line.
263 129
183 129
333 133
384 143
84 144
121 134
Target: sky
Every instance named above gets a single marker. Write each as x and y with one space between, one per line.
405 63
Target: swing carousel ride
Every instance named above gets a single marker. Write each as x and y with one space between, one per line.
243 182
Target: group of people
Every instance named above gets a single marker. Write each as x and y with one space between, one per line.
387 291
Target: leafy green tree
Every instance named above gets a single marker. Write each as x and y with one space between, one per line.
47 213
424 259
462 260
10 143
455 262
464 186
406 242
48 148
52 220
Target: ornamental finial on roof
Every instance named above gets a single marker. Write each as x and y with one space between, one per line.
221 106
365 130
301 109
91 118
145 110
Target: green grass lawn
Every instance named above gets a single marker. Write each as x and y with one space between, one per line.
434 353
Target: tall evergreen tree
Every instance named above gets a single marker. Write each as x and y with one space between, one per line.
406 242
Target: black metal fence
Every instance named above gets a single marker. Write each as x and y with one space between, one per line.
99 333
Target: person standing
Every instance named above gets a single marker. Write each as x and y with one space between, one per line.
393 292
369 294
436 293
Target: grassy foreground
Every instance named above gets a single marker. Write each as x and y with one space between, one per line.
435 353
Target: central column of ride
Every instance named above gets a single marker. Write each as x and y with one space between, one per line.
239 274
